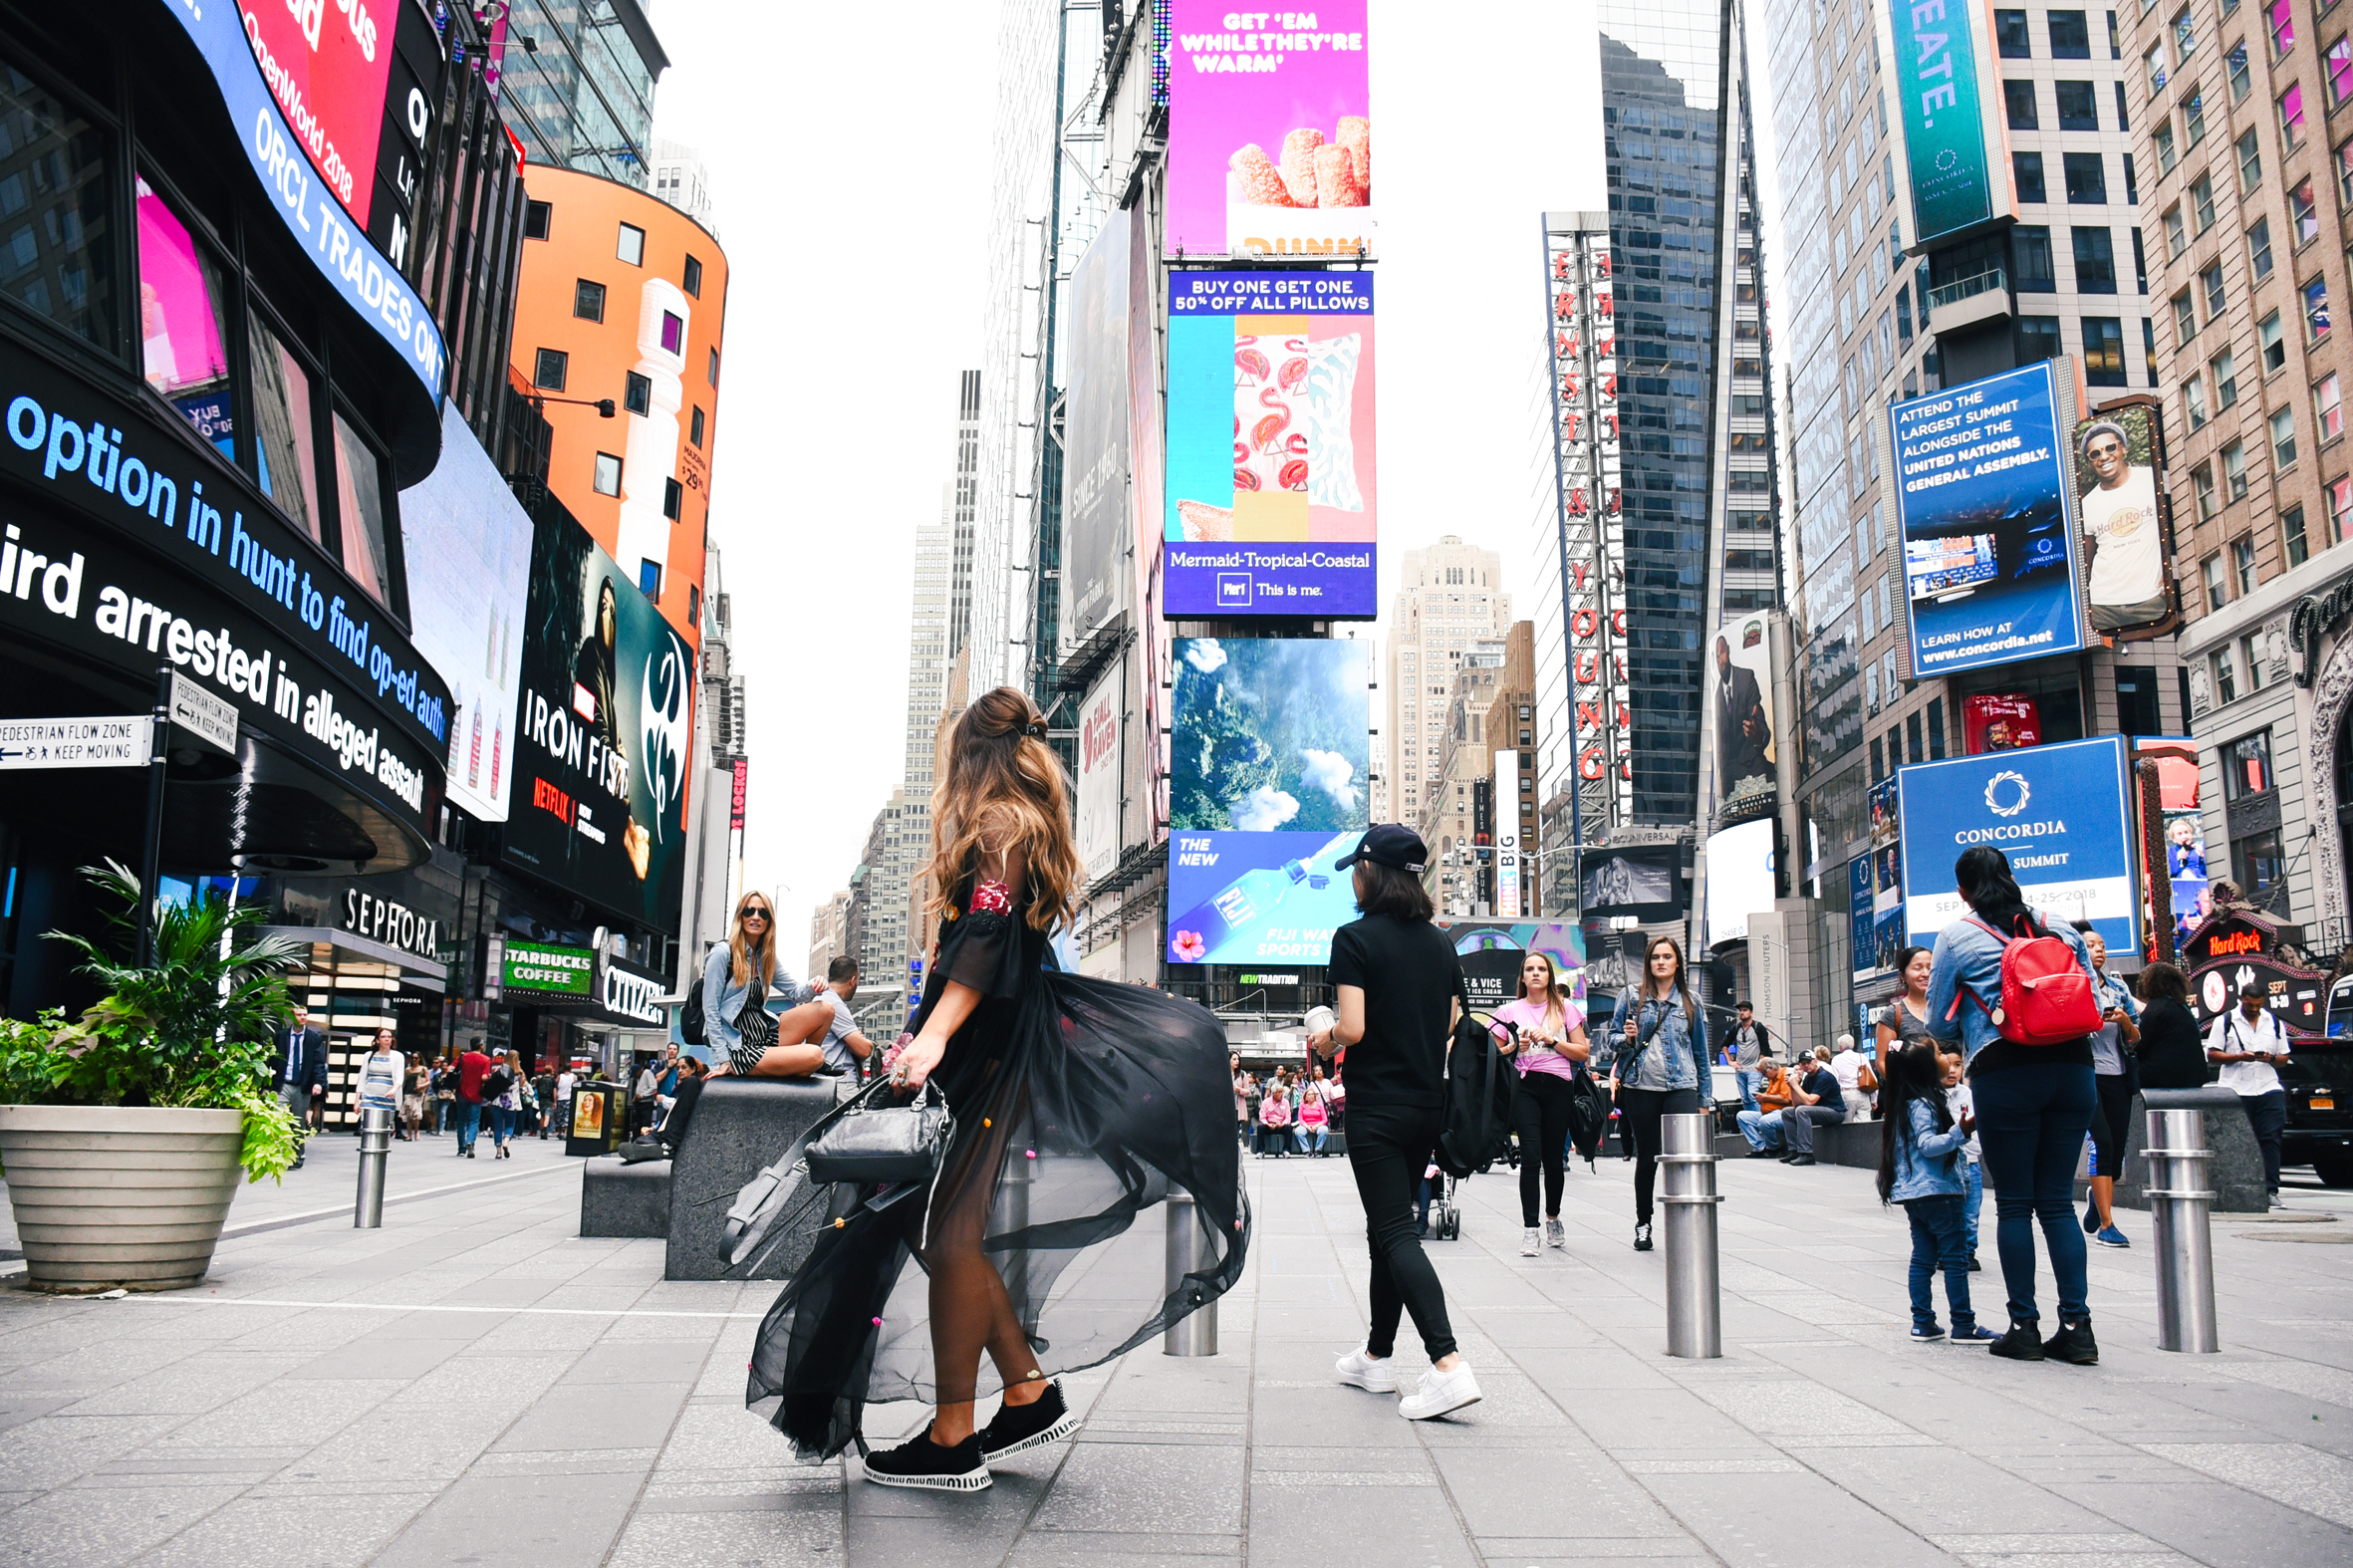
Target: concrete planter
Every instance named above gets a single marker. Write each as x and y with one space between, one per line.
118 1196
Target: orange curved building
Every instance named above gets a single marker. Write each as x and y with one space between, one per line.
625 297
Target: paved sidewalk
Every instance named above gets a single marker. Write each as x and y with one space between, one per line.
475 1383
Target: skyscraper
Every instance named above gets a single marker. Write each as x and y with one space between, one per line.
577 84
681 179
1449 596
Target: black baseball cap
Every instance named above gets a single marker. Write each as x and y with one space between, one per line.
1390 844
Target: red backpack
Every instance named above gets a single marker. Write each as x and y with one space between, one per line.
2046 999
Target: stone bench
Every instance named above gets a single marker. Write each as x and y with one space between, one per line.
625 1201
739 1127
2235 1173
1854 1144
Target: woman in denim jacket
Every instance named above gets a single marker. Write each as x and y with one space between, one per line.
1658 1063
1921 1164
2035 1104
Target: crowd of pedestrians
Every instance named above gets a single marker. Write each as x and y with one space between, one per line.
1290 1110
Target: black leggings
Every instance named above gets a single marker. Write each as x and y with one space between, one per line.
1540 1116
2111 1123
1640 1110
1388 1150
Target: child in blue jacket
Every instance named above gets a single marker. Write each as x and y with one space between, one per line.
1921 1156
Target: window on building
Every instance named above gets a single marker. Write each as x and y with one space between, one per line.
607 478
649 579
1879 767
2038 339
2235 471
2103 350
2201 490
2079 109
695 425
2209 283
2259 250
2032 271
588 300
2235 64
1904 312
2026 171
2316 309
2136 700
2222 664
1914 749
2340 509
537 216
637 394
2261 869
2141 275
2193 403
360 487
2193 119
2211 570
2095 261
2177 235
2202 203
2010 35
632 245
2336 68
2281 14
2018 98
2087 177
548 367
2163 137
2185 35
285 441
2328 415
1936 729
690 278
2283 438
2246 766
2153 69
2291 535
2291 114
674 499
713 371
2185 319
2070 38
2303 212
2225 368
2251 163
186 347
2242 564
2273 342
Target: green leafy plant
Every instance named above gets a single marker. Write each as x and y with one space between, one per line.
191 1030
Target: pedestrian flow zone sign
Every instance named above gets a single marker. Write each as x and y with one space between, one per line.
211 719
75 742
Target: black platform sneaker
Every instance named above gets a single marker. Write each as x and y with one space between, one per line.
1017 1428
919 1461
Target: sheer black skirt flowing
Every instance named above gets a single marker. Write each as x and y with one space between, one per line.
1081 1105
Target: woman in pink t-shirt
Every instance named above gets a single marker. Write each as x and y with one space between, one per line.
1313 1118
1546 1037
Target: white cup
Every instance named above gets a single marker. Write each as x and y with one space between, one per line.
1318 1019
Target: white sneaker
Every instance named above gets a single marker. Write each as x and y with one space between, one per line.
1531 1242
1439 1393
1377 1375
1555 1233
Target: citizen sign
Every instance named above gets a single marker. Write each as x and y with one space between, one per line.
634 997
366 914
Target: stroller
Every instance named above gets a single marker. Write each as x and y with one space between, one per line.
1441 1215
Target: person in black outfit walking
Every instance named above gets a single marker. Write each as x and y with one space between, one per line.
1398 980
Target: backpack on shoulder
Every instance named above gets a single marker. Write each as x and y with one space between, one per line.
692 1028
1475 1128
2046 999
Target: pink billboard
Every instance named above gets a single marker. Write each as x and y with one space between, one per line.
1270 131
329 66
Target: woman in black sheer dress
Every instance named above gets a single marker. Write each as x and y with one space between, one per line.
1080 1104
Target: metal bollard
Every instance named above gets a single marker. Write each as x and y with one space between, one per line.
376 1148
2179 1202
1194 1334
1694 1317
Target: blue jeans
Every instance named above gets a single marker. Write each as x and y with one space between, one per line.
1310 1139
469 1123
1937 1227
2032 1122
1751 1083
502 1124
1974 1198
1762 1128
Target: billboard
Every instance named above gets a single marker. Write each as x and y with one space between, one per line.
1741 879
2118 456
604 736
1099 772
1999 721
329 66
1982 503
2181 830
1741 688
1507 803
1096 437
1643 881
1271 499
467 542
1270 133
1493 950
2058 812
1268 765
1952 145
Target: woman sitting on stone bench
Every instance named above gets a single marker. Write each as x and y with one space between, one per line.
739 978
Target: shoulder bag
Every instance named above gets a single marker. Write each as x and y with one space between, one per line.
877 1142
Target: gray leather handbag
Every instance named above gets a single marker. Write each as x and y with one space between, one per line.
874 1143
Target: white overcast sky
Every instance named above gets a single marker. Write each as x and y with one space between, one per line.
849 166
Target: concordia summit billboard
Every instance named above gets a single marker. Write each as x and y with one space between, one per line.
1986 510
2058 812
1271 500
1944 102
1267 787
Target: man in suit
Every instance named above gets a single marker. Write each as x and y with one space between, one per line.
1742 732
298 1070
